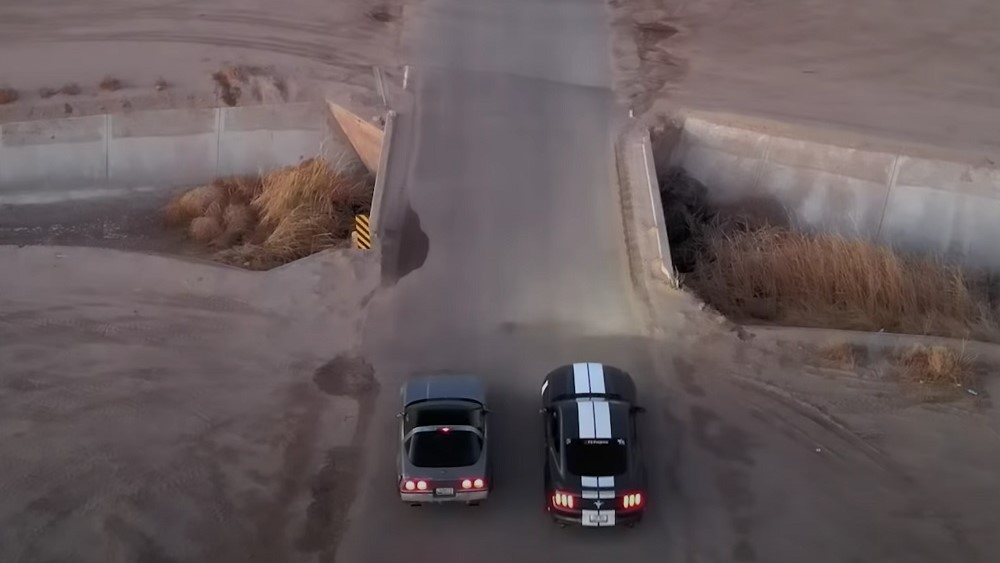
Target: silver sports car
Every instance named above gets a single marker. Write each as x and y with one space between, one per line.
443 440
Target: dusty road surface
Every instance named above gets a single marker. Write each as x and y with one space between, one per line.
153 409
295 49
505 257
917 70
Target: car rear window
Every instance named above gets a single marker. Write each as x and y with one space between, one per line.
600 457
453 448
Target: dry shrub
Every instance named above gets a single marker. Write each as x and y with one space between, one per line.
936 365
205 229
844 355
8 96
45 92
71 89
110 84
195 203
779 275
266 221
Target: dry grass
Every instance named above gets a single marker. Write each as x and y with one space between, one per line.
110 84
778 275
843 356
8 96
205 229
936 365
270 220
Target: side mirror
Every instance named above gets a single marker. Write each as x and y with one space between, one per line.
400 414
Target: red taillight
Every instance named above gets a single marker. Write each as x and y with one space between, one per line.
421 485
473 483
467 484
632 501
478 483
409 485
562 500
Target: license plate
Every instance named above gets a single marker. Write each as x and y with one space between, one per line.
444 491
599 518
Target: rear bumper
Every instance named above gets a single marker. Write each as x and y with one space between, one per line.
622 518
471 496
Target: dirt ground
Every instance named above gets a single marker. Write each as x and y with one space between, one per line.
153 409
289 51
915 70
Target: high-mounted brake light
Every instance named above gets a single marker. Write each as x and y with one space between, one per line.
562 500
632 501
446 430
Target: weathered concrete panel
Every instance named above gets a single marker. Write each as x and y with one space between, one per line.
824 201
164 123
54 153
952 176
730 178
262 137
864 165
946 208
740 142
302 116
163 148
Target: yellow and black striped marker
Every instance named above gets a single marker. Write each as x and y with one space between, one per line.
362 231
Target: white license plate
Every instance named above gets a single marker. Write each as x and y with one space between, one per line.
444 491
599 518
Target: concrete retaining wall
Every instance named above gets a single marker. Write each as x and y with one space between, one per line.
160 148
882 194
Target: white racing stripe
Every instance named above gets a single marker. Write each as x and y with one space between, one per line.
606 482
585 415
588 481
595 373
602 419
581 379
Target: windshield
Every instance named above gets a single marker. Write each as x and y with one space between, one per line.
454 448
602 457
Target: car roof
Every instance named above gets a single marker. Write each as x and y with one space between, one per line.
587 379
594 419
443 386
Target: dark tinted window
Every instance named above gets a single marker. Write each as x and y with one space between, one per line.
597 458
436 448
427 415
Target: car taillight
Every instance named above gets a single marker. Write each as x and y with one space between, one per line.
632 501
411 485
473 483
562 500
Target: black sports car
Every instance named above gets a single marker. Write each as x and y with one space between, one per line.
594 475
